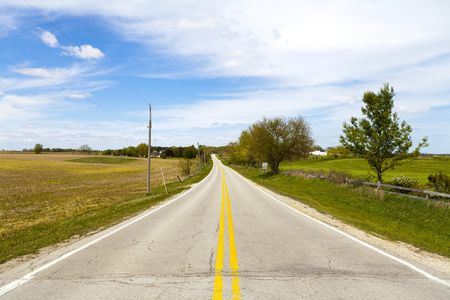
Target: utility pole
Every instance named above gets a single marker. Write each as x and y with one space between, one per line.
199 158
149 147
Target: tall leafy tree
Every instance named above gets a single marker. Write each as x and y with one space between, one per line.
278 139
379 137
38 148
142 149
190 152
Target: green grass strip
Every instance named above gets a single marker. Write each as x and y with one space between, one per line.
29 240
423 224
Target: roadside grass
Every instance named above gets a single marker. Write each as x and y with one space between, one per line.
423 224
47 199
418 169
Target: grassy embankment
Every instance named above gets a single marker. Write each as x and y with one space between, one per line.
417 222
48 198
418 169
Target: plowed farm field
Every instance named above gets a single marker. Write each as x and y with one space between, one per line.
38 189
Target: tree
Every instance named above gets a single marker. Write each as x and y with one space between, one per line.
85 149
142 149
338 151
241 152
38 148
379 138
190 152
131 151
169 153
185 166
278 139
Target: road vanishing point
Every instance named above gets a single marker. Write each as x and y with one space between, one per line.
223 239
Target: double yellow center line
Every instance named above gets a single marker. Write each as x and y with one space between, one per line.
218 280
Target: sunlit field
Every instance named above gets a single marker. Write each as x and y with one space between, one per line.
418 169
46 188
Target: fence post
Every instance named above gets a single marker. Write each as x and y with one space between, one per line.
426 195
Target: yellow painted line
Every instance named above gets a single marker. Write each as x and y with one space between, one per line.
233 255
218 280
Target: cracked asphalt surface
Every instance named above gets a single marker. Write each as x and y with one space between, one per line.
170 253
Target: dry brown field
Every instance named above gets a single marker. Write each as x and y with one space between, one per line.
45 188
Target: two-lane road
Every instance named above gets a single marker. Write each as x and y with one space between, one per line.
227 239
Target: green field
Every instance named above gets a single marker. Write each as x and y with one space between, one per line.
418 169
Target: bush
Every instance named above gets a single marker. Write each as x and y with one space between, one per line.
404 181
439 182
185 166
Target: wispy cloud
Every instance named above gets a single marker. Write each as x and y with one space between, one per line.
56 73
82 52
303 57
48 38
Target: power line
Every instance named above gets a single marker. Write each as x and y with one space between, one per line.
70 91
91 57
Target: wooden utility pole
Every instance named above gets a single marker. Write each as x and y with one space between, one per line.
149 148
199 158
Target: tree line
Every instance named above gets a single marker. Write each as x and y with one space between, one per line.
140 150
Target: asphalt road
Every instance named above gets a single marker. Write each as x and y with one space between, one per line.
227 239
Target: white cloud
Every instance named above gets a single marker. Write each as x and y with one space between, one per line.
314 57
14 107
48 38
83 52
7 24
56 73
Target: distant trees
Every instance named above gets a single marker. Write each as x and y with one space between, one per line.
108 152
142 149
190 152
379 137
85 149
38 148
338 151
169 153
273 141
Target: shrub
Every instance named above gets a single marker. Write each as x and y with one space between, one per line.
185 166
439 182
404 181
338 177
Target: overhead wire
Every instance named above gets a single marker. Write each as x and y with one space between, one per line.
91 57
70 91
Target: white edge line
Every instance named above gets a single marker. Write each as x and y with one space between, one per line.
411 266
15 284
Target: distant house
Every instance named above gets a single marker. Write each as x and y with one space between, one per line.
318 153
156 154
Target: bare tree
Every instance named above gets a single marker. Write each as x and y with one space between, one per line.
85 149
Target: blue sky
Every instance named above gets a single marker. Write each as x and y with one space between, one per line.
77 72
